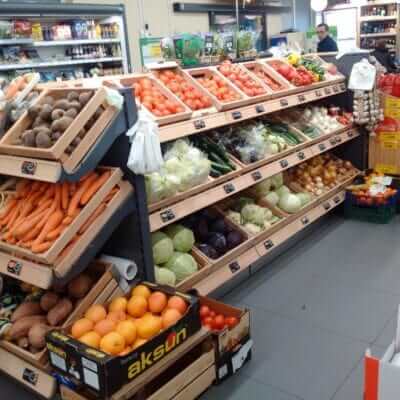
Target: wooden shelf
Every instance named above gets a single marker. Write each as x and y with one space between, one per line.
212 121
219 276
189 205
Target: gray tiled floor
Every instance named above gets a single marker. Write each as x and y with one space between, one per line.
315 310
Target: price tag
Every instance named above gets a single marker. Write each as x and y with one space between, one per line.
327 91
338 139
229 188
284 102
236 115
269 244
30 376
336 199
199 124
322 146
28 167
343 86
14 267
167 215
305 220
256 175
335 89
318 93
350 134
284 163
332 141
327 206
301 155
301 98
260 109
234 267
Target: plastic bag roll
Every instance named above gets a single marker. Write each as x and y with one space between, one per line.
126 268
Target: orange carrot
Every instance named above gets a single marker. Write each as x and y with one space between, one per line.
94 187
76 198
36 197
36 186
64 195
55 233
12 240
110 195
32 234
25 245
30 224
13 215
72 188
21 187
84 177
53 221
8 207
41 247
99 210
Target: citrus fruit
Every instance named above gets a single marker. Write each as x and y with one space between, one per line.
142 291
91 339
137 306
96 313
118 304
177 303
112 343
104 326
80 327
128 330
157 302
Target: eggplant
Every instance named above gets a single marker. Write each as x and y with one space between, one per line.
218 241
201 230
233 239
208 250
219 225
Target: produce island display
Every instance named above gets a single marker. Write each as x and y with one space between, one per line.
237 181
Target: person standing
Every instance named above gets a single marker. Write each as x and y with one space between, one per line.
326 44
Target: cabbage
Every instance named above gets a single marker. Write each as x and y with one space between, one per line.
159 187
252 228
234 216
282 190
304 198
272 198
290 203
267 214
164 276
253 214
182 238
163 248
277 181
182 265
263 188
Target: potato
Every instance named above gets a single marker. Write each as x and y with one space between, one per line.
55 136
49 300
43 139
84 98
73 96
80 286
76 105
57 114
63 104
34 111
25 310
37 335
38 122
48 100
28 138
59 312
61 124
45 113
72 113
21 327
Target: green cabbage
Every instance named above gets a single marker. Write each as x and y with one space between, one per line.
290 203
182 265
304 198
254 214
282 190
182 238
163 248
252 228
164 276
272 198
234 216
263 188
277 181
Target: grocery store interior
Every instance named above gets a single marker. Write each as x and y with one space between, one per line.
200 199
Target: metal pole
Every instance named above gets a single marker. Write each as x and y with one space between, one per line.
237 14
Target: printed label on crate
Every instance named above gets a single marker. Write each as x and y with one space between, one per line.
389 140
392 107
386 168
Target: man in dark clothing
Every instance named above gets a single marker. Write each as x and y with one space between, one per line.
383 56
326 43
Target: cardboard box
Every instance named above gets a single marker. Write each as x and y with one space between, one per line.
103 374
232 346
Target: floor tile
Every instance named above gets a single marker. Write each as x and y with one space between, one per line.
387 335
297 357
9 389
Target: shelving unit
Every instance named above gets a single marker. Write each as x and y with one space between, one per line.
53 56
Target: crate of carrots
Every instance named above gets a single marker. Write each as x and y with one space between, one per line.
41 220
371 199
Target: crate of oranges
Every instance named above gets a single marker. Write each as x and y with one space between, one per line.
114 343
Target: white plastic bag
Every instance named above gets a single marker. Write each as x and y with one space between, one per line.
145 155
362 76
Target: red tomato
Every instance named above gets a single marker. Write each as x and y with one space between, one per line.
212 313
219 322
208 326
204 311
145 83
231 322
207 321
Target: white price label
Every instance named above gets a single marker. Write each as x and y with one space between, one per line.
376 188
383 180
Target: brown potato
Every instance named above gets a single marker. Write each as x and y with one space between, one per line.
37 335
84 98
45 113
28 138
73 96
21 327
63 104
49 300
61 124
34 111
57 114
43 139
59 312
25 310
72 113
48 100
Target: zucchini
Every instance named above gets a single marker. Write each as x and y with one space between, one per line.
220 167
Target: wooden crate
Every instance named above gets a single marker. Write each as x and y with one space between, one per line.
57 151
221 106
168 119
50 255
101 275
384 154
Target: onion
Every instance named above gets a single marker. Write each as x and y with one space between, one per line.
348 165
318 179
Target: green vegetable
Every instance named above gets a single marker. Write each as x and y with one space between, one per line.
272 198
234 216
254 214
277 181
182 265
182 238
252 228
163 248
241 202
263 188
290 203
164 276
282 190
305 198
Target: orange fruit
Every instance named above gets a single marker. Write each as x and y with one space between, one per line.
96 313
125 352
177 303
105 326
137 306
157 302
170 317
113 343
128 330
142 291
91 339
138 343
116 316
80 327
118 304
149 326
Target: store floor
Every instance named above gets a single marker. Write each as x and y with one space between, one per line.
315 310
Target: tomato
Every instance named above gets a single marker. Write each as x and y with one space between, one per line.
147 105
207 321
219 322
369 201
212 313
204 311
145 83
231 322
208 327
